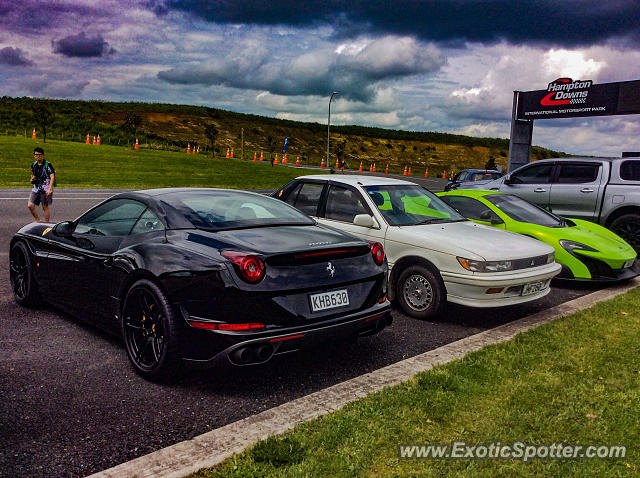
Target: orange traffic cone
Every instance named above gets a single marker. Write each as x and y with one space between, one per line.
297 161
337 165
88 139
444 174
261 156
284 158
371 167
360 168
98 140
405 171
386 170
409 173
33 135
227 152
322 164
275 161
231 153
426 173
94 139
136 146
188 148
451 175
374 167
255 156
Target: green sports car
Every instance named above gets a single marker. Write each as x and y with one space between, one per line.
585 250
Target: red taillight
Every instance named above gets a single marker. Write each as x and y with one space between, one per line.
217 326
250 267
377 251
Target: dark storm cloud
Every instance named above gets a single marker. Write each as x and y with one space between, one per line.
355 75
81 45
568 23
38 15
14 57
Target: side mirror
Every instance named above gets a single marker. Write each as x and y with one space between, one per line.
64 229
507 179
490 217
365 220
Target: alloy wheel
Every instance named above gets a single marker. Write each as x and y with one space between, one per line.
418 293
144 329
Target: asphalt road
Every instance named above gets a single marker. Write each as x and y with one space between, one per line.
71 405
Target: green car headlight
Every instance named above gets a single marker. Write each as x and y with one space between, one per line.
485 266
571 246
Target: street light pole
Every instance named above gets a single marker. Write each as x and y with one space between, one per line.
329 125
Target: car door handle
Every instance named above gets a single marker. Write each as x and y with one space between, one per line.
586 190
539 190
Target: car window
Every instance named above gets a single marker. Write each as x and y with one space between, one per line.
409 205
460 176
343 204
148 222
520 210
533 175
113 218
630 170
222 210
306 197
578 173
470 208
484 176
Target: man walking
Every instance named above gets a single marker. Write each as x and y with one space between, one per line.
42 178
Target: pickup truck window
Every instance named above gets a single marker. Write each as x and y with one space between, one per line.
578 173
534 175
630 170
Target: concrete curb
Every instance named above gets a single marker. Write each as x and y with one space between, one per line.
213 447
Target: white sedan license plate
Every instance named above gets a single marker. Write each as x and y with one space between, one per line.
532 288
329 300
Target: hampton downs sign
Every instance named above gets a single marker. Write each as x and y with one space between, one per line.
566 98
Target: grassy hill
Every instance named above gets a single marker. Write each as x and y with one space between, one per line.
172 127
86 166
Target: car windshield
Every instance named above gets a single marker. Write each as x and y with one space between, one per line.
410 205
219 210
520 210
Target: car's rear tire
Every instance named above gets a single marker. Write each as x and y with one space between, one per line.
150 332
420 292
627 227
23 284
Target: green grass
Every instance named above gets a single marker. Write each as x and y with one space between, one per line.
87 166
575 381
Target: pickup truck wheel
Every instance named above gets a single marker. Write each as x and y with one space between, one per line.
420 292
628 228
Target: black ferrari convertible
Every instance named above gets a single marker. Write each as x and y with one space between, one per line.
201 276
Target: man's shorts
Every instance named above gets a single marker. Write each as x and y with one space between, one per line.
41 197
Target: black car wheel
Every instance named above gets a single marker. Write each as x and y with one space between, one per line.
420 292
149 331
628 228
25 289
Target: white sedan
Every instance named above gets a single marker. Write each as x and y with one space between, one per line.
434 253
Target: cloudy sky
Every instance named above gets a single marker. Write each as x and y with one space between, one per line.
422 65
